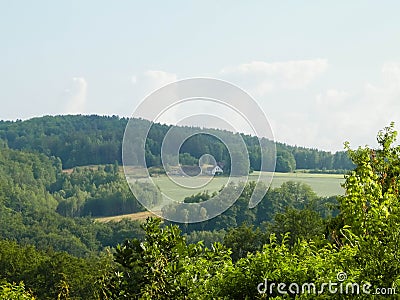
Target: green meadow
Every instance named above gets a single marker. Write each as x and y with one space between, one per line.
322 184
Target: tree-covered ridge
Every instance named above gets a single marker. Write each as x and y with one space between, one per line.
35 191
76 140
290 195
37 199
357 256
294 237
27 272
43 205
101 191
90 140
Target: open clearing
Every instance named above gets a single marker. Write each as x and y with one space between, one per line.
322 184
135 216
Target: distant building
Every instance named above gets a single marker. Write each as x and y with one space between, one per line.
216 170
185 170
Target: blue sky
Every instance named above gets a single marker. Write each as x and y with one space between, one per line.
323 72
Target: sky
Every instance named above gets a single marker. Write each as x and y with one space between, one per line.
323 72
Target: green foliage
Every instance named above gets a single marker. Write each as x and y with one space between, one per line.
14 292
304 224
76 140
208 238
50 274
288 237
34 189
370 209
366 239
285 162
199 197
187 159
92 140
276 263
290 195
371 204
162 266
244 240
98 192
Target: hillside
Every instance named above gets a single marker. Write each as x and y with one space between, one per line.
80 140
51 245
39 204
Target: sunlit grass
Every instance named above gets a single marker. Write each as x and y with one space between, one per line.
322 184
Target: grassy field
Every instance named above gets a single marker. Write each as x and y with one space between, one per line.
322 184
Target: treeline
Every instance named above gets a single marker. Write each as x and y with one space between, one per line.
100 191
291 195
354 256
76 140
297 238
26 272
37 201
90 140
47 248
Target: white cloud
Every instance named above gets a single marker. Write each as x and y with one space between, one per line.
300 113
332 98
151 80
358 116
389 90
262 77
77 96
146 83
160 77
382 102
187 113
391 74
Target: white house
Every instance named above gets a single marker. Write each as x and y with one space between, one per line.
214 170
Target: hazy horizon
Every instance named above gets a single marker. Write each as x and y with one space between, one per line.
324 73
104 115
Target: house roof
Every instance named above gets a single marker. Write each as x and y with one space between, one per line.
213 168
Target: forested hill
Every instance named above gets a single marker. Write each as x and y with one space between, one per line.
80 140
77 140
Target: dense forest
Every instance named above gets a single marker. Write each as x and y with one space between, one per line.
52 248
44 206
91 140
37 201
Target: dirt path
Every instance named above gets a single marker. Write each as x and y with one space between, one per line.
135 216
